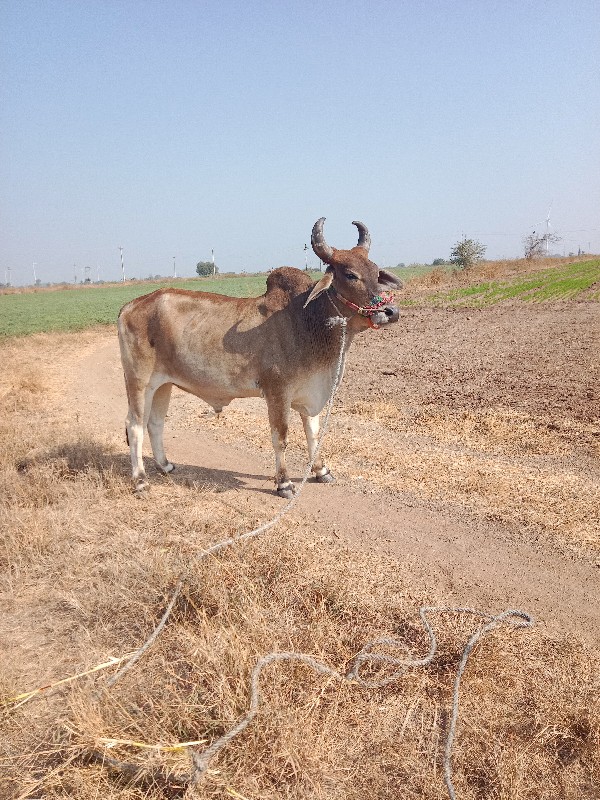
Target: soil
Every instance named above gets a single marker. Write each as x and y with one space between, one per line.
447 399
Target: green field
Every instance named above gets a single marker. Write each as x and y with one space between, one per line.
567 282
79 308
85 306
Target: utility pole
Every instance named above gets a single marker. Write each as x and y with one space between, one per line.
306 257
97 273
213 260
9 281
34 274
174 271
122 264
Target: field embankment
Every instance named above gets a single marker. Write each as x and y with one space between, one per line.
464 440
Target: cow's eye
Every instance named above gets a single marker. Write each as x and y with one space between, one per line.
351 276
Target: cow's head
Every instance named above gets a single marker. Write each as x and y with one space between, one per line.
355 280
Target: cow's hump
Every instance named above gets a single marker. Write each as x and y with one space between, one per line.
283 284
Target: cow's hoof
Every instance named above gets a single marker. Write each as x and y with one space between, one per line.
327 477
141 487
168 467
287 491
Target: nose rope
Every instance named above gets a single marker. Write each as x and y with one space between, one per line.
376 304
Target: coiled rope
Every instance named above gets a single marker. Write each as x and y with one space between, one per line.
200 761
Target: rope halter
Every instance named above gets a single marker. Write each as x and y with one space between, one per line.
378 302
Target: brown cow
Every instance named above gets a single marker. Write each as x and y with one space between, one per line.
279 345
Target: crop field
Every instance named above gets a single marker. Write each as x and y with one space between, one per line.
571 282
77 308
465 441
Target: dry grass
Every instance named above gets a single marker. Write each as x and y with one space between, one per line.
85 572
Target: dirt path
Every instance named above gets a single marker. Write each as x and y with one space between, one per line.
469 562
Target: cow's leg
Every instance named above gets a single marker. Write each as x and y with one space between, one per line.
279 413
156 424
311 429
135 436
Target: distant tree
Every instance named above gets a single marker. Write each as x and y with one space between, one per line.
400 265
536 244
466 253
205 268
438 262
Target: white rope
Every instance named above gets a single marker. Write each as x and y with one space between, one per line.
200 761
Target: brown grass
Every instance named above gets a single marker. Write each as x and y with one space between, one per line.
86 569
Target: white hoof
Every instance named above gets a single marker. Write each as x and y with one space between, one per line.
287 491
141 487
327 477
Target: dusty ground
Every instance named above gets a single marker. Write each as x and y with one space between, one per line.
466 450
468 441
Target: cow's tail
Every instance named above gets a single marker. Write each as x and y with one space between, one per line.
126 435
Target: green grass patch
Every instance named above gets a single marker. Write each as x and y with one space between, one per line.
83 307
568 282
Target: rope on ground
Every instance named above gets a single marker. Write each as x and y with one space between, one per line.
200 761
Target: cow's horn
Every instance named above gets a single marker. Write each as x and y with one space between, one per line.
364 240
319 245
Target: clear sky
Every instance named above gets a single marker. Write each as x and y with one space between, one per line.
172 128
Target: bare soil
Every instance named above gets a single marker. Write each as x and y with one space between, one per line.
464 442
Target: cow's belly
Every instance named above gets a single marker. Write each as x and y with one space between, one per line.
218 382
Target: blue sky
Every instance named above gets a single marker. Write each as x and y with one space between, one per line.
176 127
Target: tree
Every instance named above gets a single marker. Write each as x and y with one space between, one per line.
438 262
536 244
205 268
467 252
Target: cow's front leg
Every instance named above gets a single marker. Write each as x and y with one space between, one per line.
311 429
279 413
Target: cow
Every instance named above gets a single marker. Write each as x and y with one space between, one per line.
281 346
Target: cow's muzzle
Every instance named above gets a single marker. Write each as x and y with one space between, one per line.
385 316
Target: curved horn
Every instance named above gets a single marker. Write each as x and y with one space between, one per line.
364 240
319 245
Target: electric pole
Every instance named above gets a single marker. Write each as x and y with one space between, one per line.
122 264
174 271
34 274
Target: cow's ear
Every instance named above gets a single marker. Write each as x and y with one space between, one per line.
389 280
320 287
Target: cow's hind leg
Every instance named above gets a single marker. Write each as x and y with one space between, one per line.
311 429
156 424
279 412
135 437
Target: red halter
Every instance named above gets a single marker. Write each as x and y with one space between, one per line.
376 304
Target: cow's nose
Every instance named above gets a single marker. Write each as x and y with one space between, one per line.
392 313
